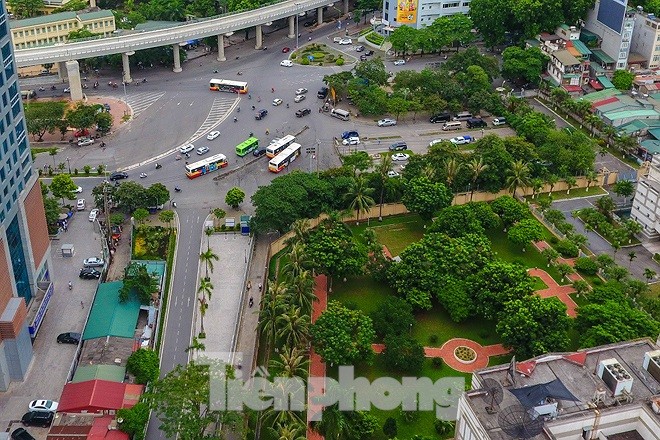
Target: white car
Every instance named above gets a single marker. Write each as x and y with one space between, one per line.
436 141
354 140
43 405
461 140
202 150
277 101
212 135
400 156
386 122
337 39
392 173
78 190
299 98
301 91
286 63
93 262
345 41
186 148
399 62
85 142
93 214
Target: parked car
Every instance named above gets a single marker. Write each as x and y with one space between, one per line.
392 173
286 63
89 273
442 117
37 418
81 133
212 135
299 98
301 91
85 142
93 214
118 175
461 140
359 48
202 150
259 152
322 93
186 148
499 121
261 114
386 122
345 41
348 134
68 338
43 405
400 156
21 434
337 39
277 101
302 112
369 53
476 123
286 49
398 146
93 262
399 62
80 205
363 57
351 141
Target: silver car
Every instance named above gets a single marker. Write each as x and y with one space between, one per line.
386 122
299 98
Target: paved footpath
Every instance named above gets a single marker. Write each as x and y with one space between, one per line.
554 289
316 365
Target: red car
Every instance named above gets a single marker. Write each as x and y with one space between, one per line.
80 133
285 49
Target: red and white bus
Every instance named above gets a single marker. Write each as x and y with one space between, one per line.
282 160
227 85
205 166
278 145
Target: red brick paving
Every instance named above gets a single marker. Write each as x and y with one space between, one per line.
316 365
554 289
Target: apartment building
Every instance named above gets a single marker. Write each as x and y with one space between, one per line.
613 24
54 28
646 204
420 13
25 267
606 392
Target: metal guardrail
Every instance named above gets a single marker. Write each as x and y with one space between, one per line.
162 37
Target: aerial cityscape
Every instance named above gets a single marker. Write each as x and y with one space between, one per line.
350 220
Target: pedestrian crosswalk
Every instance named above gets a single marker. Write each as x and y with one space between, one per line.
139 102
220 108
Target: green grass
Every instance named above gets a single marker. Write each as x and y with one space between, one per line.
538 284
395 232
615 225
499 360
375 38
168 279
364 292
39 150
574 193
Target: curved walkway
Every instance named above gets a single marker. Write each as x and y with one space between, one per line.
554 289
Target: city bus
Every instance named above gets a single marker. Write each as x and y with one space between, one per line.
282 160
205 166
278 145
227 85
247 146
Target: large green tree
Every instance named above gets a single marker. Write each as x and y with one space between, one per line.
496 284
43 117
372 70
343 336
63 187
403 353
82 116
130 196
138 279
25 8
623 79
134 420
525 231
523 65
425 198
492 18
392 316
144 365
331 250
404 39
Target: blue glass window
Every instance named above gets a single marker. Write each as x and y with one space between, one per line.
18 260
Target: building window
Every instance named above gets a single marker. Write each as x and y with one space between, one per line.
656 58
18 260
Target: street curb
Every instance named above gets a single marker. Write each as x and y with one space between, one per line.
169 293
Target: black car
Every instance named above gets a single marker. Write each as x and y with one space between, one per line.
323 93
37 418
259 152
89 273
363 58
68 338
442 117
369 53
118 175
309 23
476 123
303 112
359 49
21 434
261 114
349 134
398 146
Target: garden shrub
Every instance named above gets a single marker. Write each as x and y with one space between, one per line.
565 227
318 56
304 62
567 249
553 240
436 362
339 62
586 265
433 339
597 282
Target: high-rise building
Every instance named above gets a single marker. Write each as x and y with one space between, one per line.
420 13
25 266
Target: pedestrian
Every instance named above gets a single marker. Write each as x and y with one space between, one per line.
82 306
260 286
482 132
251 302
249 285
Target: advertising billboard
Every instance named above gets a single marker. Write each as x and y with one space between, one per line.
407 12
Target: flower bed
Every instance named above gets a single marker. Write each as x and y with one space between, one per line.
464 354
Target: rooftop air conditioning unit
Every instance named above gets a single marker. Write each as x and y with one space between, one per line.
652 364
573 28
615 376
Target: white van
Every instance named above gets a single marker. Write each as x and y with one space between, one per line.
463 116
80 206
454 125
340 114
499 121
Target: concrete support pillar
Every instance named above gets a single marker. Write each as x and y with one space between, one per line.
260 37
177 59
319 15
73 73
126 66
345 7
61 70
221 48
292 27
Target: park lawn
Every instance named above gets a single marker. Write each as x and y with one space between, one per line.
398 235
538 284
608 237
575 193
364 292
436 322
510 252
499 360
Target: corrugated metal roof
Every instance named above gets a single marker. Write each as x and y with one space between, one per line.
602 56
109 316
95 15
599 96
565 57
92 396
579 45
114 373
626 114
605 82
651 145
42 19
606 101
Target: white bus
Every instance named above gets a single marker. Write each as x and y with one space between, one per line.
227 85
205 166
278 145
282 160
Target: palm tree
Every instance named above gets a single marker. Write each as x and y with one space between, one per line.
297 260
208 232
452 167
571 182
551 180
288 431
649 274
591 177
609 131
292 362
196 345
301 292
293 327
272 305
359 196
300 228
208 258
334 425
381 171
581 287
518 176
631 256
476 167
429 172
206 289
536 185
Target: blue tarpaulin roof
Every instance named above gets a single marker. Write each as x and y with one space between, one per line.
535 395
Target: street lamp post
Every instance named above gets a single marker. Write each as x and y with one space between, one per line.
68 161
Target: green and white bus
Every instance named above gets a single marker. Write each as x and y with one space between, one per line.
247 146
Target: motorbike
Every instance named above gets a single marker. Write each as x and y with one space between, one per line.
178 157
41 89
235 119
143 175
239 73
158 166
70 285
53 88
177 189
238 109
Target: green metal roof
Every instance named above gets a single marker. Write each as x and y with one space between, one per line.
114 373
602 56
626 114
108 316
581 47
533 42
42 19
651 145
600 95
587 36
95 15
605 82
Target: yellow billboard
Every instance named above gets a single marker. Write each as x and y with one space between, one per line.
407 12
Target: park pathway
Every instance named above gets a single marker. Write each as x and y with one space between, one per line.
554 289
316 364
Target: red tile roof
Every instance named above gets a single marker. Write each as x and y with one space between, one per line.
98 396
609 100
100 430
